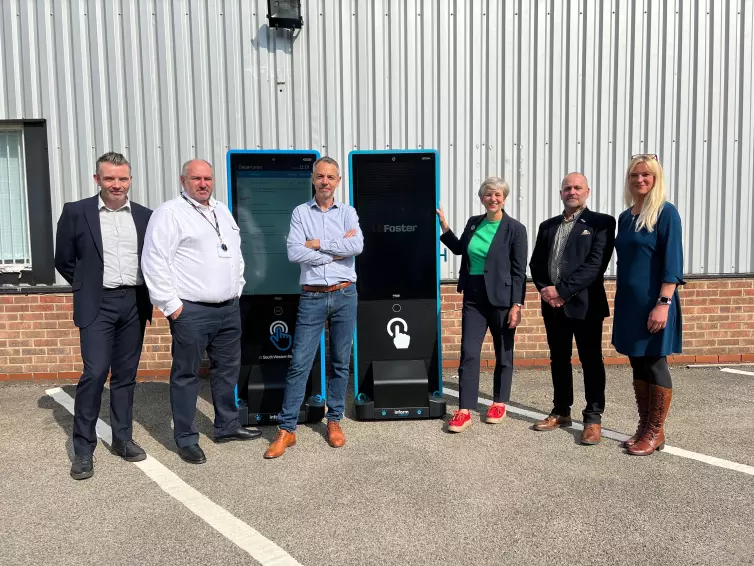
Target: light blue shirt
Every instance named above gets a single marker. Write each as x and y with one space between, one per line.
309 222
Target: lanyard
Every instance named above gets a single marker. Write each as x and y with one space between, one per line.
216 225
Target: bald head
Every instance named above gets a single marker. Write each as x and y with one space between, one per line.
198 180
574 190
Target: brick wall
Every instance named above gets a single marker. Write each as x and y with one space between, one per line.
39 341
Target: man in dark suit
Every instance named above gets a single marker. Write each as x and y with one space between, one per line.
98 251
570 258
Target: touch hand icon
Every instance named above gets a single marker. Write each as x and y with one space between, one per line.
279 336
401 340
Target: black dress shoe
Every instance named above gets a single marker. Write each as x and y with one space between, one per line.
128 450
240 434
192 454
82 467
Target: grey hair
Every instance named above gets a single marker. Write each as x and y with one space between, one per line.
329 161
184 169
494 183
112 158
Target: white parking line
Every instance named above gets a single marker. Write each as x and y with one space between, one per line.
711 460
742 372
239 533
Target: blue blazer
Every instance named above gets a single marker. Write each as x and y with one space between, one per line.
78 257
505 267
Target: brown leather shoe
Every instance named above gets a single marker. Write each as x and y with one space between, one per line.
641 391
592 434
654 434
335 436
283 440
552 422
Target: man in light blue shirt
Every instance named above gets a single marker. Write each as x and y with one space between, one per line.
324 239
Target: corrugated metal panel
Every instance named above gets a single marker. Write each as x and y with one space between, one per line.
527 90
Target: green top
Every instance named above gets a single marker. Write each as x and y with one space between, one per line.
479 246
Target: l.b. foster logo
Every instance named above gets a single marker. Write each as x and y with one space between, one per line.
394 228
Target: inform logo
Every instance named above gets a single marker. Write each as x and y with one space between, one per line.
395 228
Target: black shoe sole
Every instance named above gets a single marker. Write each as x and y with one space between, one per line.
82 475
221 439
202 461
137 458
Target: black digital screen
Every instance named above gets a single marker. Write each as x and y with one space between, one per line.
395 195
265 188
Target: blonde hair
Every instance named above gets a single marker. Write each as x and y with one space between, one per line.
494 183
655 200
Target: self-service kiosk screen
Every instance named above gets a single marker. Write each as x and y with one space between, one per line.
396 197
267 187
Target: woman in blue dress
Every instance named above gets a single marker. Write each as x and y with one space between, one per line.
647 315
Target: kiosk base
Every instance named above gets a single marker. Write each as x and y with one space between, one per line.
311 411
366 411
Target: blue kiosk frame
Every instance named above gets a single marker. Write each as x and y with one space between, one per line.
435 407
266 408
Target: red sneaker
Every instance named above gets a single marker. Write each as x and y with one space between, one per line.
459 422
495 414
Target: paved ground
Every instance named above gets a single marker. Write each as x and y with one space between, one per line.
398 492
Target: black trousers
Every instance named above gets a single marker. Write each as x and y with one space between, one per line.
652 369
561 331
110 344
216 329
478 315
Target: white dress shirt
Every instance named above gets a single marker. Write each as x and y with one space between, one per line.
182 259
120 246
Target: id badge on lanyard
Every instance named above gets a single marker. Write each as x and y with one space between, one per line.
223 250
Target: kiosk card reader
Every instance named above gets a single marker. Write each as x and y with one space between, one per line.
397 345
264 188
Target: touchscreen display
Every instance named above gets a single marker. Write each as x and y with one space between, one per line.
265 190
395 196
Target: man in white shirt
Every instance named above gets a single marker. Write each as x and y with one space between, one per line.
97 250
193 268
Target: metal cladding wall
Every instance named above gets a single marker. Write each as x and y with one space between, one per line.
527 90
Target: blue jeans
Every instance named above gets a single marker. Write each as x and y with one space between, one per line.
339 309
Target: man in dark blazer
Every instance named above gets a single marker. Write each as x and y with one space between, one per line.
98 251
570 258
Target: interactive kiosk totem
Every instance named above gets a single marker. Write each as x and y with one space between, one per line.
263 189
397 347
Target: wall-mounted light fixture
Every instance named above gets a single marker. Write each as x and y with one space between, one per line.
284 14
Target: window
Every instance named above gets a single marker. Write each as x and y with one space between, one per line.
26 249
15 248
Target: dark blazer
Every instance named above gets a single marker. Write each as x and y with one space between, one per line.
78 257
505 268
585 259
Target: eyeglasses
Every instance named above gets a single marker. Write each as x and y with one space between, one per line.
649 156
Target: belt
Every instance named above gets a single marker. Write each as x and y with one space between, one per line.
325 288
212 305
120 288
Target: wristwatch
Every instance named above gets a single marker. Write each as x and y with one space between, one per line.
519 304
664 300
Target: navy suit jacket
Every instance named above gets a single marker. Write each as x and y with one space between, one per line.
78 257
586 256
505 267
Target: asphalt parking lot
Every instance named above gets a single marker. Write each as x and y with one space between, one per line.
397 493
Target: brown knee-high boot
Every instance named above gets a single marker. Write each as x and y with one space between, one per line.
641 391
654 433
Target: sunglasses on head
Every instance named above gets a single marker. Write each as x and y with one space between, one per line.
648 156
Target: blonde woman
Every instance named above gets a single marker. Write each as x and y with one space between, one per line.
647 317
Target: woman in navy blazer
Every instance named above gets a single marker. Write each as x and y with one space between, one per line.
493 247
